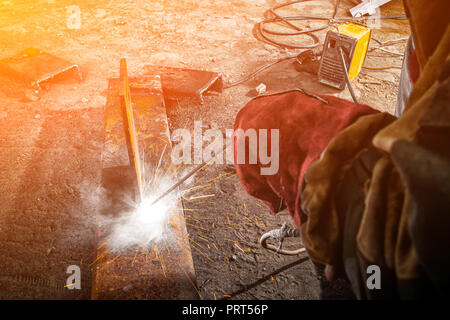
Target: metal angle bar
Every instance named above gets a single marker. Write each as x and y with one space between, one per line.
129 126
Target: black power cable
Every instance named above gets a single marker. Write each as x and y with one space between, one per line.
263 32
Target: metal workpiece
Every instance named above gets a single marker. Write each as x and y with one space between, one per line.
159 269
163 271
182 82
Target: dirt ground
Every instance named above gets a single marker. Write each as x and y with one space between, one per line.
50 158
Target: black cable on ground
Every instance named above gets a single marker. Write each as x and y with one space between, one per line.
263 32
276 18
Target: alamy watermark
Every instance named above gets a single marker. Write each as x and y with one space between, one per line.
374 279
251 146
73 17
74 280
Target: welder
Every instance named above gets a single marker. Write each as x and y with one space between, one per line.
367 190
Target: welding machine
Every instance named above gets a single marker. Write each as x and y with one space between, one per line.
353 39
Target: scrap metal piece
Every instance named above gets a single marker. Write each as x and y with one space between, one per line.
35 67
181 82
367 7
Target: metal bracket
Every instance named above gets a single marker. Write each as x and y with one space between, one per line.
181 82
35 67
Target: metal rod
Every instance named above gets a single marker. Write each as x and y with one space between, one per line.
187 176
347 79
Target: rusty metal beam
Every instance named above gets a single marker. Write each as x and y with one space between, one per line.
161 270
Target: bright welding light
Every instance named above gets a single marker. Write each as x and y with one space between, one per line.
142 227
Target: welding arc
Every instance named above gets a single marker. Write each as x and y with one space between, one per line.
187 176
